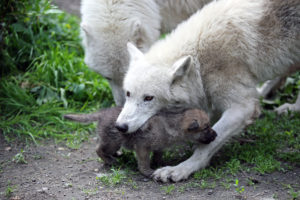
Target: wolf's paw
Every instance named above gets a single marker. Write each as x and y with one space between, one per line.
287 107
174 174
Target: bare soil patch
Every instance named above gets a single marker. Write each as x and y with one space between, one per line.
56 172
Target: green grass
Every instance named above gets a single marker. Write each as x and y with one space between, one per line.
10 189
19 158
43 75
275 147
168 189
114 178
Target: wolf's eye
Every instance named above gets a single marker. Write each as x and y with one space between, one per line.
128 94
148 98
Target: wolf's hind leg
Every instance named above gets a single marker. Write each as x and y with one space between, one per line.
289 107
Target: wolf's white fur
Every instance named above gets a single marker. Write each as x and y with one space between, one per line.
212 61
107 25
289 107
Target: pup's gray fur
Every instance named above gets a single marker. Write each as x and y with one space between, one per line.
161 131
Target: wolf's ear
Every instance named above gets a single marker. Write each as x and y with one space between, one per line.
137 33
85 28
134 52
181 67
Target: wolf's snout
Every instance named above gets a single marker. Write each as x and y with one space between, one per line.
122 127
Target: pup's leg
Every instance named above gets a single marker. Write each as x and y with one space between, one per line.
231 123
287 106
107 152
157 158
143 158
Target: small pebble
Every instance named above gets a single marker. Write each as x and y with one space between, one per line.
145 179
8 149
15 198
44 189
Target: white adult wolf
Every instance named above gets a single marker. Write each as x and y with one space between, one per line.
213 61
107 26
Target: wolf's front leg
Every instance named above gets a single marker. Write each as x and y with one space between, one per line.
232 122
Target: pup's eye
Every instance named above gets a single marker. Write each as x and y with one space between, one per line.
148 98
128 94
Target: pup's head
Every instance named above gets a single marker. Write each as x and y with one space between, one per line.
196 126
106 27
149 88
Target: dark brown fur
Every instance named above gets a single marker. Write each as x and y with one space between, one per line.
161 131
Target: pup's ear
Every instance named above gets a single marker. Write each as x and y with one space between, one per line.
134 52
181 67
194 126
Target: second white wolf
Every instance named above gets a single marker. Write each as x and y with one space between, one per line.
107 25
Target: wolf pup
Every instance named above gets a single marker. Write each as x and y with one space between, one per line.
161 131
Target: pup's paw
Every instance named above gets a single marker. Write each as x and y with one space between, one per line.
287 107
174 174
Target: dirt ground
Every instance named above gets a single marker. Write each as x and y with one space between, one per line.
56 172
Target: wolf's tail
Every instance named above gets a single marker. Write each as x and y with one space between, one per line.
84 118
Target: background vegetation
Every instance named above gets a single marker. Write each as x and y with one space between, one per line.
43 74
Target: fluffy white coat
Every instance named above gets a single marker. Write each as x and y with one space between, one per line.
213 61
107 25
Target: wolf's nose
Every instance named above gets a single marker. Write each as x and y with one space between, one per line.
122 127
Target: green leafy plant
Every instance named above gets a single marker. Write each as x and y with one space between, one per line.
116 177
239 189
168 189
19 158
9 190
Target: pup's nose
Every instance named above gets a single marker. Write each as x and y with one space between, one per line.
122 127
